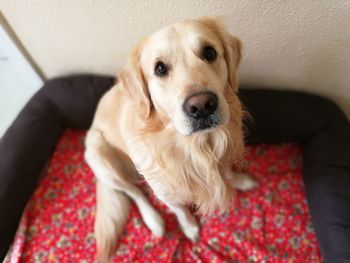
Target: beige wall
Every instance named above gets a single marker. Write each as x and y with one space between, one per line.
295 44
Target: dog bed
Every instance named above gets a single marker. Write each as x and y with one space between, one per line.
268 224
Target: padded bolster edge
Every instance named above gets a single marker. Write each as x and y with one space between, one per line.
30 140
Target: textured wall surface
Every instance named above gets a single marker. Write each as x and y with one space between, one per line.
297 44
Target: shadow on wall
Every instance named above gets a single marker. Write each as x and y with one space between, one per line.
325 69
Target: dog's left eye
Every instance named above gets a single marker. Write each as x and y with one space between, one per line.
209 53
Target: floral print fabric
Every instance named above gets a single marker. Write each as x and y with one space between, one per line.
268 224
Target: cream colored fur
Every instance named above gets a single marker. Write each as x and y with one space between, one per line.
140 128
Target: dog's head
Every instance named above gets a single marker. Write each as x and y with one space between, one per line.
183 73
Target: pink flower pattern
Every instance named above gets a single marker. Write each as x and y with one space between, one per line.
268 224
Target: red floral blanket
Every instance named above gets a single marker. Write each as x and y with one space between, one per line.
268 224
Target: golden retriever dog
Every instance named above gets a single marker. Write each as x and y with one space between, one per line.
174 119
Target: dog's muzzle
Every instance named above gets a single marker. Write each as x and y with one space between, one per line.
201 109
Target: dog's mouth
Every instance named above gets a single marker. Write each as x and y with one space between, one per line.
207 123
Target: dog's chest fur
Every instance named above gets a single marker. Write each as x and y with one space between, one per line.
185 170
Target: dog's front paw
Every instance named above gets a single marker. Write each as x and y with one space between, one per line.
191 231
190 228
154 222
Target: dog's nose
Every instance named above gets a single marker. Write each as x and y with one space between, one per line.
201 105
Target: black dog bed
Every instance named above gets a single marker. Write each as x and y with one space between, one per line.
278 116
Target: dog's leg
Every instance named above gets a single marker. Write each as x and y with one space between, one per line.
241 181
112 209
112 204
149 215
187 221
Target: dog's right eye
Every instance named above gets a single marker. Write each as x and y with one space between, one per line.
160 69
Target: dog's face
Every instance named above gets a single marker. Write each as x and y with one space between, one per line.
183 72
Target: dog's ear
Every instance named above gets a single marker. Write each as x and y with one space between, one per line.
134 82
232 47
